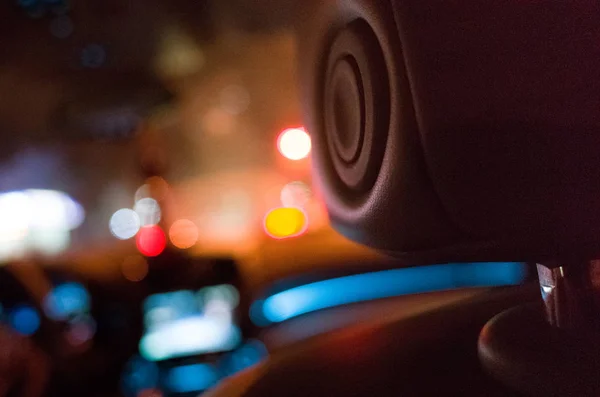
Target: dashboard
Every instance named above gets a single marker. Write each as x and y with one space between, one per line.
192 322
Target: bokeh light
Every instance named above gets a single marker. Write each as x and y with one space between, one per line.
148 211
65 300
124 224
81 330
189 335
294 143
134 268
14 212
37 220
49 242
295 194
142 192
191 378
226 293
53 210
285 222
177 54
151 240
24 319
183 233
155 188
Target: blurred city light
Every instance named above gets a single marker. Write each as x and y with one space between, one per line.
49 242
53 210
294 143
384 284
183 233
151 240
142 192
81 330
188 336
285 222
134 268
191 378
15 215
148 211
178 55
66 300
125 224
155 188
184 323
224 293
24 319
295 194
37 220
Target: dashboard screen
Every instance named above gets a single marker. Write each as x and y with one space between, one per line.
187 323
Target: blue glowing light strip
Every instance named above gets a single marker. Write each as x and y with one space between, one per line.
191 378
384 284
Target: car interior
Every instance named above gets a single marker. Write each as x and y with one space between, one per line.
249 198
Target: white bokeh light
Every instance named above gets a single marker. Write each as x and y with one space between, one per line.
124 224
37 220
294 144
14 216
148 211
295 194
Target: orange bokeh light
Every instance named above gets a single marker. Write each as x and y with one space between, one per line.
183 233
281 223
151 240
294 143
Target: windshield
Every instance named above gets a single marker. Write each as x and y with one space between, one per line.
158 215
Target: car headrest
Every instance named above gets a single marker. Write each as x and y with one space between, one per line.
456 129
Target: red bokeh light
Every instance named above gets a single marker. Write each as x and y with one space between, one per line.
151 240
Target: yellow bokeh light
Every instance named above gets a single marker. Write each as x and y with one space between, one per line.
285 222
183 234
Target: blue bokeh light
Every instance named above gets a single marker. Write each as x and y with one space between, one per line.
191 378
65 300
384 284
24 319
